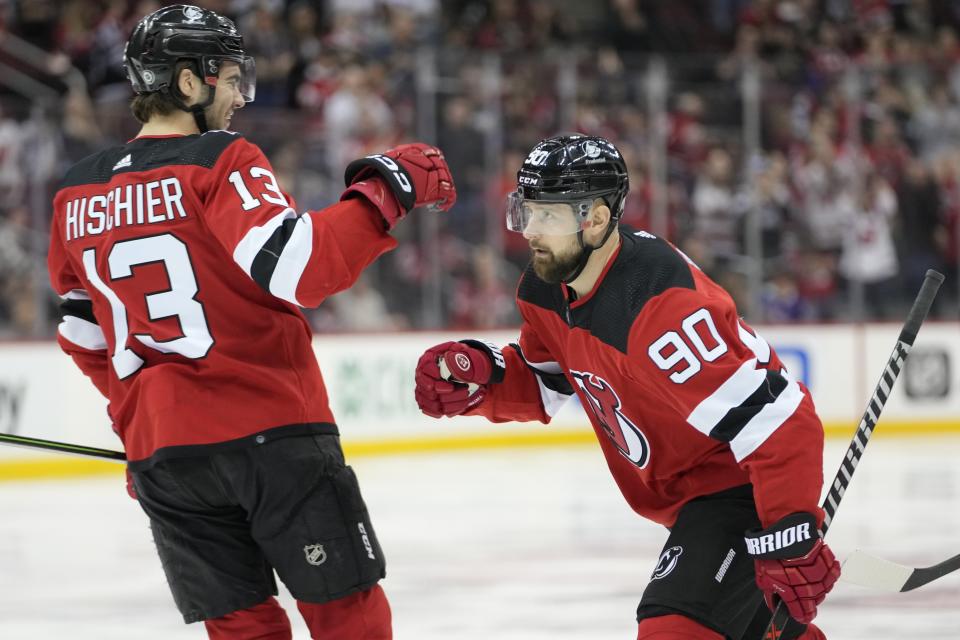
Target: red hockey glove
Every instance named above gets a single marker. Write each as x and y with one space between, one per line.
454 377
414 175
793 564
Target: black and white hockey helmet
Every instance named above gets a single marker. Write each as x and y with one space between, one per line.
185 32
568 171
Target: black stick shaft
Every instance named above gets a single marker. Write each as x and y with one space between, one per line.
926 575
921 306
61 447
918 313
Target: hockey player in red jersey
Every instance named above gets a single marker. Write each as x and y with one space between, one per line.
701 426
183 265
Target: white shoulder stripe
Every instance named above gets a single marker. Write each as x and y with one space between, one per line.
731 394
293 260
759 346
82 333
765 423
250 245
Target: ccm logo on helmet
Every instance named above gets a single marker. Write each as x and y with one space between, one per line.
395 169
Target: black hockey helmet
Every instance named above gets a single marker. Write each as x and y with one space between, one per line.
185 32
574 169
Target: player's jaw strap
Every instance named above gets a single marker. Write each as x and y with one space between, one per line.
588 249
198 110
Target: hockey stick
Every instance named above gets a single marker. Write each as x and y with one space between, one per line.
869 571
62 447
918 313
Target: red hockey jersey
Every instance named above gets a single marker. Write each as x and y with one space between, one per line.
684 397
182 265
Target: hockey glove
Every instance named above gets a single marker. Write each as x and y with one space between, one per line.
454 377
401 179
793 564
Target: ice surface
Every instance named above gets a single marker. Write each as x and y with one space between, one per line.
525 544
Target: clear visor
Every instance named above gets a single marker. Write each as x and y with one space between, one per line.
246 82
248 79
545 217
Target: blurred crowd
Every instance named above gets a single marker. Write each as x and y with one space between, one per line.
850 193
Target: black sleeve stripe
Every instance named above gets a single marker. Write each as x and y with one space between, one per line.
738 417
265 262
555 382
82 309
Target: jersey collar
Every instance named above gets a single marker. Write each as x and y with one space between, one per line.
568 293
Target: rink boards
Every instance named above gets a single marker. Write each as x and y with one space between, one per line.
370 381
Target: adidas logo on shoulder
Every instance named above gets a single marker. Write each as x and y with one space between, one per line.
124 162
644 234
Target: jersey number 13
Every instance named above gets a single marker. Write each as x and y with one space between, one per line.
178 301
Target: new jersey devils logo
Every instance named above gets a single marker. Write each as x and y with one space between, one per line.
605 405
668 562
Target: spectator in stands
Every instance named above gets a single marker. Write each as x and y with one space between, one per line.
363 308
920 225
463 146
888 152
106 52
484 297
12 180
270 44
935 125
626 26
781 299
746 52
826 185
816 274
16 272
869 258
716 216
687 146
354 112
81 133
947 171
906 56
827 59
768 198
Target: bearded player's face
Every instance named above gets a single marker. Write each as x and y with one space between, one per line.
554 257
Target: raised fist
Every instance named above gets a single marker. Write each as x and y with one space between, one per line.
401 179
451 378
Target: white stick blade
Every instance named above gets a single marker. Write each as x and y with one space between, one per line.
873 572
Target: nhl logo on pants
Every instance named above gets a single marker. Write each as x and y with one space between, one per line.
315 554
667 563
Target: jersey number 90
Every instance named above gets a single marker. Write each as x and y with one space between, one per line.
702 343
